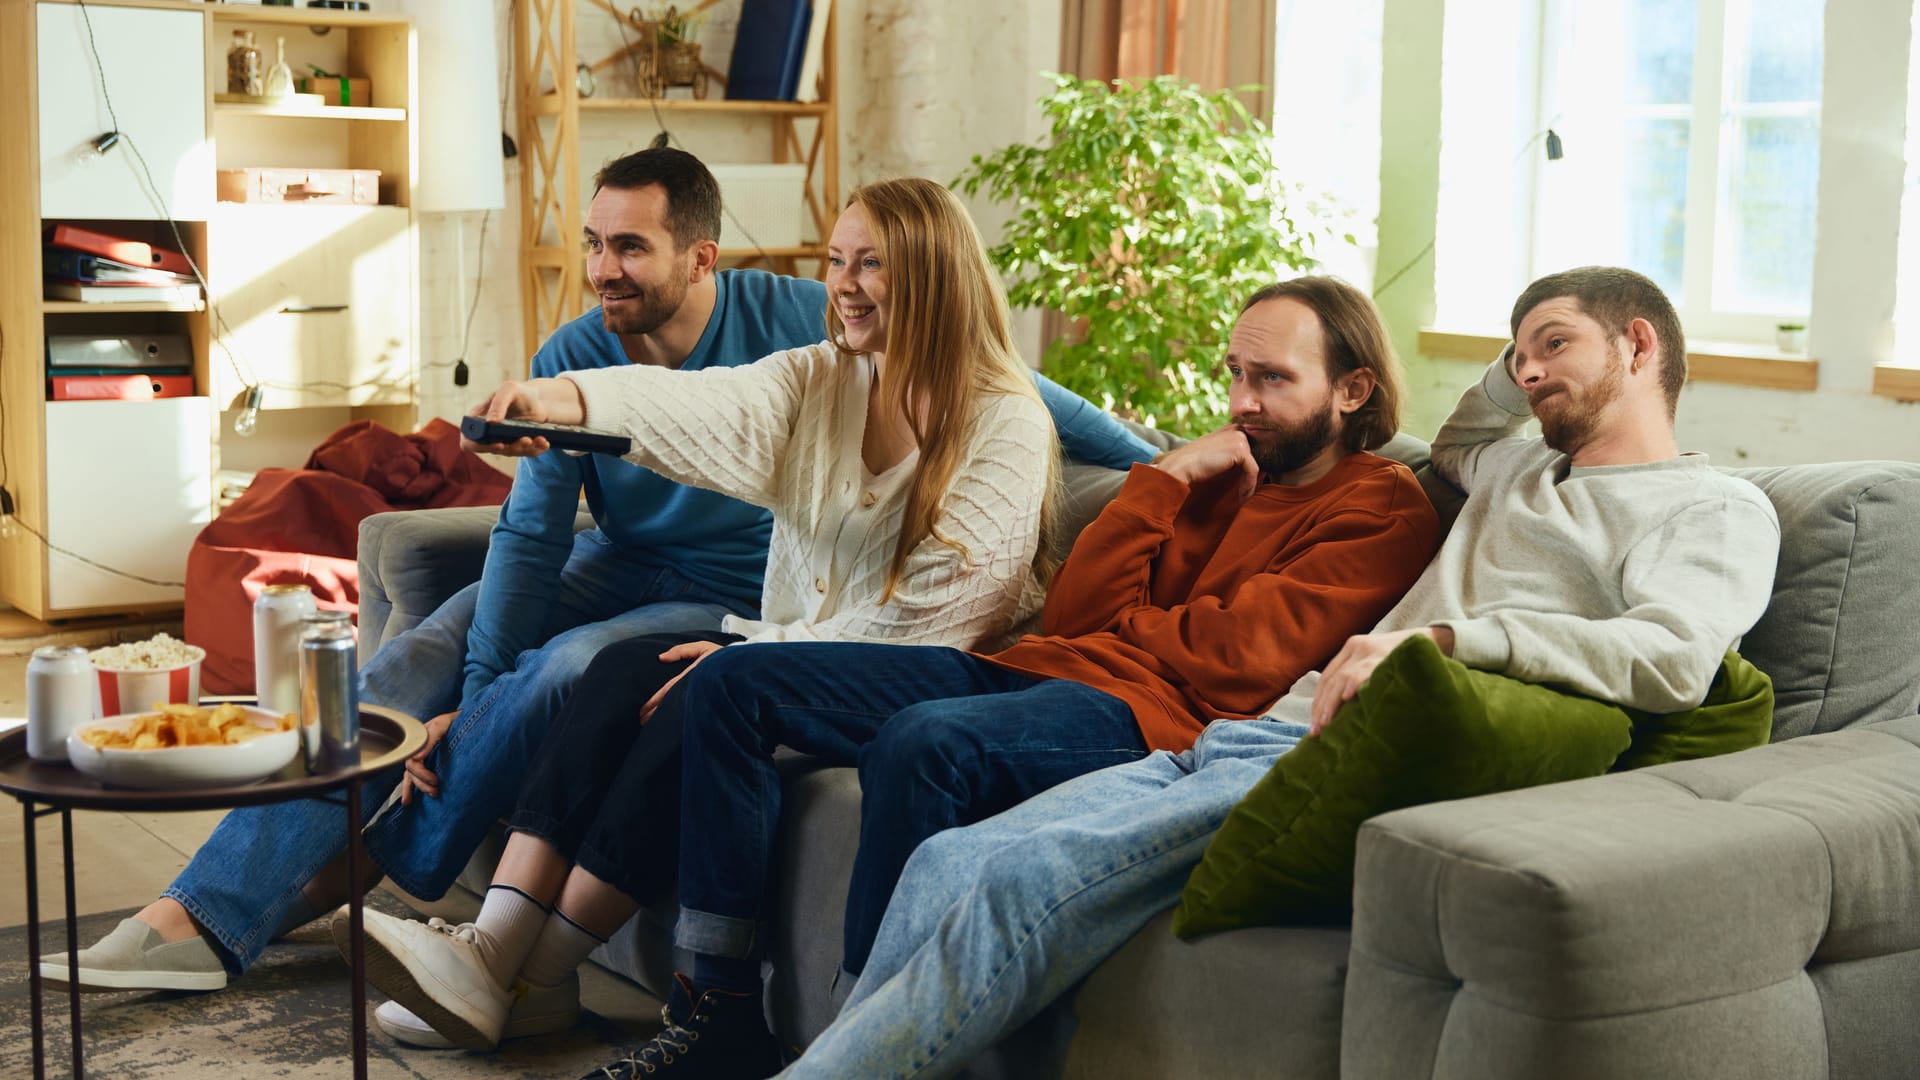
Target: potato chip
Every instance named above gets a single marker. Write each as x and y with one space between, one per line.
171 725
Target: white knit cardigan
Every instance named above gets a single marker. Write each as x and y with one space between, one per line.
784 433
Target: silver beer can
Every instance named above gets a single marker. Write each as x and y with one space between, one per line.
62 694
277 615
329 692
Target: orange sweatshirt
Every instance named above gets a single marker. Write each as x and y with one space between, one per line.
1188 609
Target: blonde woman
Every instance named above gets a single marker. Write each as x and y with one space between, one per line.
910 467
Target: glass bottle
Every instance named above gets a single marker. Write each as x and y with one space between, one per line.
243 65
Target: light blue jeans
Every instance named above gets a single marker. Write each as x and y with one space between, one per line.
991 922
245 878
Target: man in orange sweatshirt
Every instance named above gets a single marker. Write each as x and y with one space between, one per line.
1218 576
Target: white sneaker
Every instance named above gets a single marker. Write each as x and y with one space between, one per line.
434 970
537 1010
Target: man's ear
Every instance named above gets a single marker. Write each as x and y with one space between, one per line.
706 257
1643 346
1353 390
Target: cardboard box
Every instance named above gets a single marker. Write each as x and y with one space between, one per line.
340 90
339 187
765 204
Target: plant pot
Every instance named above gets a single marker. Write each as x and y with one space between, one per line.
679 63
1790 339
672 64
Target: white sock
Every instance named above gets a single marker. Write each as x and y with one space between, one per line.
506 929
562 947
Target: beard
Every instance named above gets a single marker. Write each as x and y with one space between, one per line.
649 309
1294 445
1568 419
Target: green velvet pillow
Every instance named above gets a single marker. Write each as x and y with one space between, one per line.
1425 728
1736 715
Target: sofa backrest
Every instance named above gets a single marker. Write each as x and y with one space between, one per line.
1841 636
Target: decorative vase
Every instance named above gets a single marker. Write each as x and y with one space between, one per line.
280 78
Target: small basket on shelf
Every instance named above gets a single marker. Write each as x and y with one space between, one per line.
668 55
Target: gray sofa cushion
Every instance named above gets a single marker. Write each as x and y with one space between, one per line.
1841 637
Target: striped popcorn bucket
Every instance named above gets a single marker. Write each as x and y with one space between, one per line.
125 690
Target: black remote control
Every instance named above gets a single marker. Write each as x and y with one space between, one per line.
559 436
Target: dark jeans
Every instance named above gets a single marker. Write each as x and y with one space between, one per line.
604 789
941 738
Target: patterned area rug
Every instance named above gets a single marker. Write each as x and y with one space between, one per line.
286 1018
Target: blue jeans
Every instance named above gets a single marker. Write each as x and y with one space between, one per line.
942 738
992 922
243 880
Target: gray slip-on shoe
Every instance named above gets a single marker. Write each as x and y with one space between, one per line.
134 958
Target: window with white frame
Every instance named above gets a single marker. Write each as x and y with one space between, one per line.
1691 136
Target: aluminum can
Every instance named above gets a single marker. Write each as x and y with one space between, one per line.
329 692
62 694
276 645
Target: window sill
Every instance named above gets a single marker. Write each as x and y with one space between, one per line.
1715 361
1897 381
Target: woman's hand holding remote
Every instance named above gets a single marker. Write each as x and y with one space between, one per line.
555 401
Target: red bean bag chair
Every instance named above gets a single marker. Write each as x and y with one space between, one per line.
301 525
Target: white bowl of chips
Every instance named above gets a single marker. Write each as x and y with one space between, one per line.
178 747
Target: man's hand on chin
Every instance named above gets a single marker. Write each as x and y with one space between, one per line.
1217 453
1349 669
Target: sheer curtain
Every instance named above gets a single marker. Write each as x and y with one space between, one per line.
1215 43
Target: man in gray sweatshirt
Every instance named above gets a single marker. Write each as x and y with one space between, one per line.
1597 558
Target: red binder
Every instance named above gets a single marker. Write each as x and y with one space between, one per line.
114 247
119 387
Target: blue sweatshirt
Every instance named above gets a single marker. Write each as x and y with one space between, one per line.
715 541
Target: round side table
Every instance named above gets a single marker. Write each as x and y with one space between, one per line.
387 739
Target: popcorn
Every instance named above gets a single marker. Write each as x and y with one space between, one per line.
161 652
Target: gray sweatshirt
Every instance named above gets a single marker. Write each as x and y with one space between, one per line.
1622 582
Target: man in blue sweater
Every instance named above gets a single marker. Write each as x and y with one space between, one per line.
496 662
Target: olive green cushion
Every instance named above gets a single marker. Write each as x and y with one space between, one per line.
1736 715
1426 728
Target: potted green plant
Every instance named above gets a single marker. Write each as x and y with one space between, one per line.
1790 337
1149 214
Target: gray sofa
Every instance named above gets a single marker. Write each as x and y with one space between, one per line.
1750 916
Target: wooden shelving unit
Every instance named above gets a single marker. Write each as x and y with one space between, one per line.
107 495
324 112
82 307
550 112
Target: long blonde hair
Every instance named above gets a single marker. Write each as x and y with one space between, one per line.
949 344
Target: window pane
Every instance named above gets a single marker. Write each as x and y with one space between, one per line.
1655 195
1662 53
1770 173
1775 50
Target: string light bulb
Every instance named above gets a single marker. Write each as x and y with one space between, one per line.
249 418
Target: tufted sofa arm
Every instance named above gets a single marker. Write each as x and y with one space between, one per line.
1756 915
